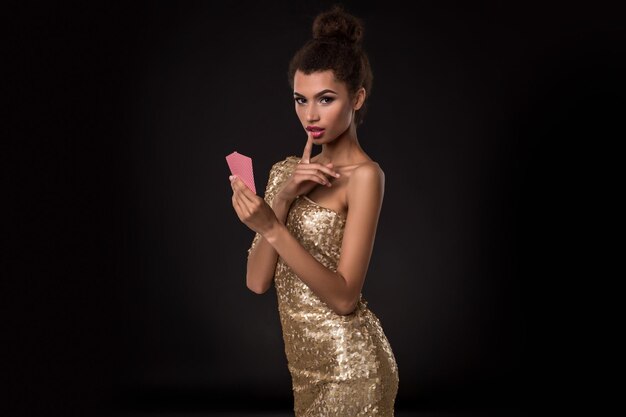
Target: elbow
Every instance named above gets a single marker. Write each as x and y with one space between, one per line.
256 287
346 308
256 283
258 290
348 303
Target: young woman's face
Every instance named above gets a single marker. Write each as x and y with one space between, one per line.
323 104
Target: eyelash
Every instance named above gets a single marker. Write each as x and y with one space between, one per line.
330 99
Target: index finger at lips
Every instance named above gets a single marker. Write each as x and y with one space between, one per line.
306 155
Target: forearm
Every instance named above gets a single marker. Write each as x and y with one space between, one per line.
329 286
281 208
262 260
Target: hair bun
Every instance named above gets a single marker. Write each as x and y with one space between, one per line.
336 24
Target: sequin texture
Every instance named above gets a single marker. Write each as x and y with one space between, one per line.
341 366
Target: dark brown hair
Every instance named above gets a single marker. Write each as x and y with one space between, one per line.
337 46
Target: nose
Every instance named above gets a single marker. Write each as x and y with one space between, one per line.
311 113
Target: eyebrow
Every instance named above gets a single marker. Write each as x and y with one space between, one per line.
318 94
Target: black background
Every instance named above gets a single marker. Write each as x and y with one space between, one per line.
125 284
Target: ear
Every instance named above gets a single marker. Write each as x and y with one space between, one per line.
359 98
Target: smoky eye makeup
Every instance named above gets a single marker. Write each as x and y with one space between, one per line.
323 100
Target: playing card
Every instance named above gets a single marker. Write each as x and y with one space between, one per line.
241 166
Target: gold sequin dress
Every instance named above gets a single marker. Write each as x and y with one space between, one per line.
341 366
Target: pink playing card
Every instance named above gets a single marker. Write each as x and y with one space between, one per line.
241 166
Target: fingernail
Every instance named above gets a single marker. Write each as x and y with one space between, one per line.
231 177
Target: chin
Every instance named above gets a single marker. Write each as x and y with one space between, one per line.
321 141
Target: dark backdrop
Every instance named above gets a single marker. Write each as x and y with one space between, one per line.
126 276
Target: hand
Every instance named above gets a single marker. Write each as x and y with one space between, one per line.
306 175
251 209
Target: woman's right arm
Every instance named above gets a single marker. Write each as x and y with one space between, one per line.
263 257
285 183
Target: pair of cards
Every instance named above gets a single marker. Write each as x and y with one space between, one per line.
241 166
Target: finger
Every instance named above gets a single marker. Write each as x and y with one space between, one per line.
306 155
233 185
247 196
234 182
321 167
306 174
242 189
236 206
242 205
325 177
313 177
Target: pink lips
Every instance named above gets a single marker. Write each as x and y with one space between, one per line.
316 132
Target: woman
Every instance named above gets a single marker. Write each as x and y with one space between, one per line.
315 231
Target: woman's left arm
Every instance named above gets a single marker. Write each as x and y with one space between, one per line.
341 289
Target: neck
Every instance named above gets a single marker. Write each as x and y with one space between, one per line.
344 150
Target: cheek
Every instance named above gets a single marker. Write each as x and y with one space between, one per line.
343 115
336 114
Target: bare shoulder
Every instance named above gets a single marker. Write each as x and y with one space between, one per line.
366 181
367 173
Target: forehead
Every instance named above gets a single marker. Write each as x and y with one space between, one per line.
310 84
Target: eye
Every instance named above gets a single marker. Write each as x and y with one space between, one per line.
330 100
299 98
